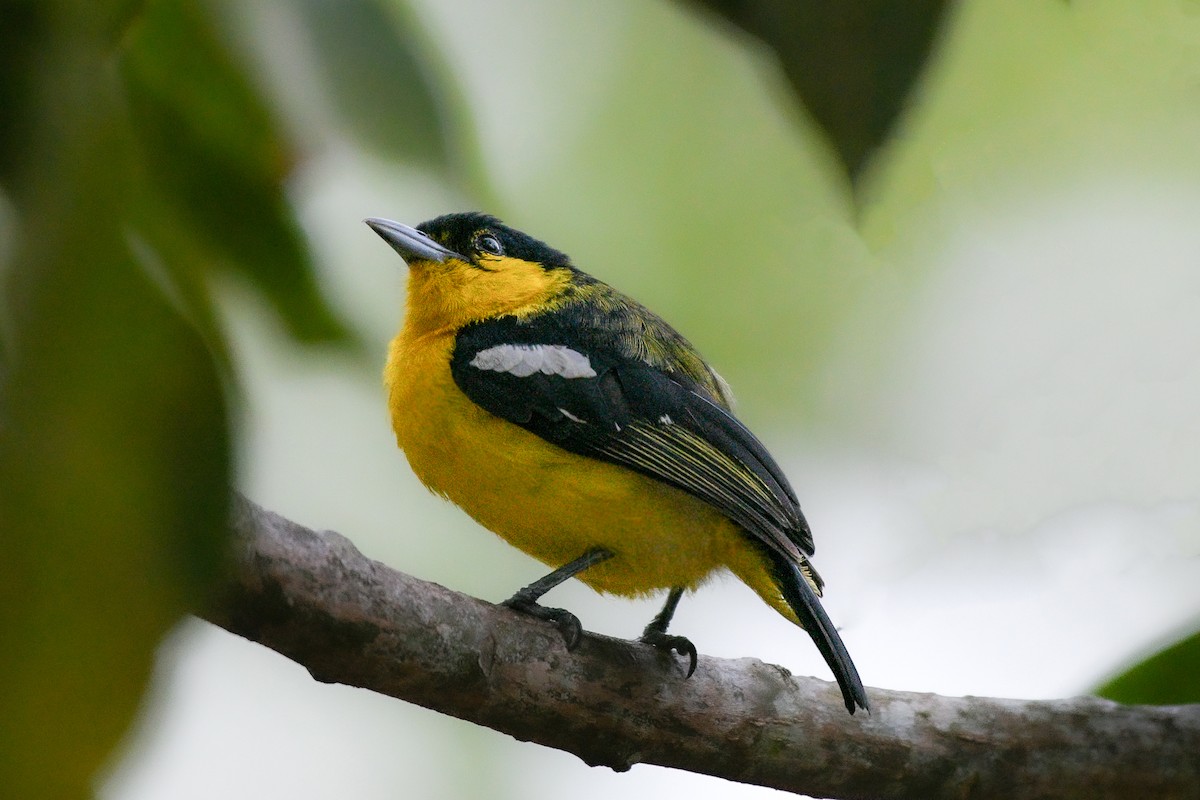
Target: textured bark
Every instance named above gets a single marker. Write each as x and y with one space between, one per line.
317 600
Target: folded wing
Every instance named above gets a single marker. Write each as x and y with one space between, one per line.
590 398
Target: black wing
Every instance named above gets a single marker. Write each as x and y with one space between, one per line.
575 388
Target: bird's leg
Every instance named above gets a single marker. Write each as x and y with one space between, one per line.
656 632
526 599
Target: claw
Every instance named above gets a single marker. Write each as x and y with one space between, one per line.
567 623
677 644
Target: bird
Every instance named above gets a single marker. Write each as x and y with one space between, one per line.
580 427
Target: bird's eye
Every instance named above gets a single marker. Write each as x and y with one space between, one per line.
489 244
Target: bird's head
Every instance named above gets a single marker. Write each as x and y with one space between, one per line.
467 267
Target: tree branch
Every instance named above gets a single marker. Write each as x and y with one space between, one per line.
314 598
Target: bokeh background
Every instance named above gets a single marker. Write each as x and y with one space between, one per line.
979 361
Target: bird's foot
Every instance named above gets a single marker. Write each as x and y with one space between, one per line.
671 644
566 622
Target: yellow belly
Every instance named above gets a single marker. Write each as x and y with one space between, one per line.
550 503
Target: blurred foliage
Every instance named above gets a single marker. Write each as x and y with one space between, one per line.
374 77
114 453
1169 677
137 158
219 160
853 65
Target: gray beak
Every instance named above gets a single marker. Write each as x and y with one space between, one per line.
410 243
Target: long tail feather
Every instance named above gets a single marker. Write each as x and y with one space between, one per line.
803 600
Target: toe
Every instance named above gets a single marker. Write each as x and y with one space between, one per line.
569 626
685 648
673 644
566 622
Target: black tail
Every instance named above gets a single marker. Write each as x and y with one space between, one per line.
803 600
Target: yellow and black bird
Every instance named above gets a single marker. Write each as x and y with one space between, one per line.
584 430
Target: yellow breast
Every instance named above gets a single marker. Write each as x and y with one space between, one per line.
550 503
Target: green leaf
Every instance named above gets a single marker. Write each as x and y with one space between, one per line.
1169 677
21 31
370 65
852 65
29 30
114 440
212 146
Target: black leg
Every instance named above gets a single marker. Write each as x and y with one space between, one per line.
656 632
526 599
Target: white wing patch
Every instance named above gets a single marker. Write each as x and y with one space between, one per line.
523 360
